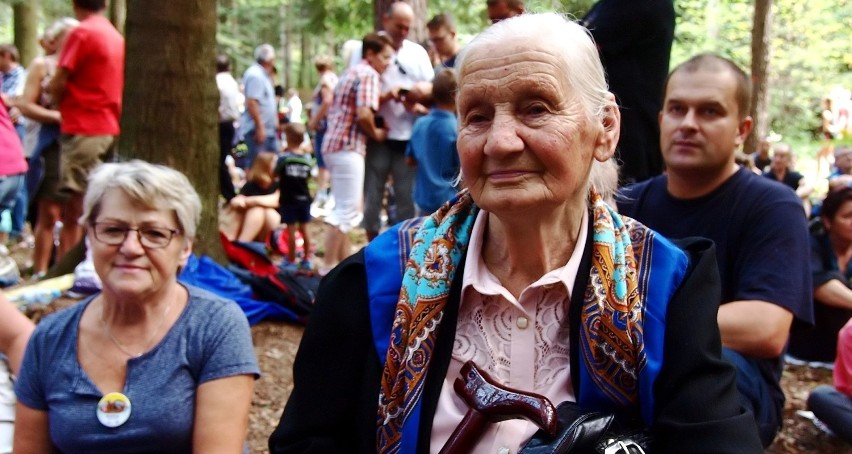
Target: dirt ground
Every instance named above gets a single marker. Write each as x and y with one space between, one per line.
276 343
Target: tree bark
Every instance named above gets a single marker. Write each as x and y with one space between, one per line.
761 50
171 100
26 29
118 13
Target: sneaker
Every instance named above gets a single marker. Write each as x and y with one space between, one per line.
289 266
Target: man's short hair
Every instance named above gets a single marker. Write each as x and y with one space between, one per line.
90 5
264 53
223 63
294 133
445 86
11 51
714 62
783 148
442 20
375 42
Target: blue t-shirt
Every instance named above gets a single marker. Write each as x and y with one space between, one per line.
433 145
761 236
210 340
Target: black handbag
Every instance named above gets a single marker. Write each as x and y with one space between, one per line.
588 432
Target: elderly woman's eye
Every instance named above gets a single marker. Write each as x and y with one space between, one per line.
113 230
475 118
536 109
156 233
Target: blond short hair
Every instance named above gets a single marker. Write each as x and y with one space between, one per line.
153 186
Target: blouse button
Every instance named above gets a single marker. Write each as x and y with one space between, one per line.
522 322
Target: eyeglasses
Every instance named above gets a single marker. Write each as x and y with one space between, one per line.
149 237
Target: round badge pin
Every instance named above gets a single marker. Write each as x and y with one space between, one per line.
113 409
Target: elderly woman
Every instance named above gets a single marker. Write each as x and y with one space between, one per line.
147 365
529 274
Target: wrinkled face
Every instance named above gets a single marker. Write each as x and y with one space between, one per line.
840 225
699 126
380 61
129 269
525 141
443 40
397 25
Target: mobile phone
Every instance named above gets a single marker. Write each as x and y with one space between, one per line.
379 121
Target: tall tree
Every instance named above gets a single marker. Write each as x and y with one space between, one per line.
118 13
761 50
171 99
26 29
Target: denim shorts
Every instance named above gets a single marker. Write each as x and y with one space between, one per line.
10 185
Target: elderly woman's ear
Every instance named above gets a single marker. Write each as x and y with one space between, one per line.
609 131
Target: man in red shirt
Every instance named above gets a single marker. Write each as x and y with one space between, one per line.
88 85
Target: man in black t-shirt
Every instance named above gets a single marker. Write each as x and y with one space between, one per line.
758 226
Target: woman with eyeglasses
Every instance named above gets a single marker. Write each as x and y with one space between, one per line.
148 364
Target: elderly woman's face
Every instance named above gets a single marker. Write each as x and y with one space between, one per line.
525 141
130 269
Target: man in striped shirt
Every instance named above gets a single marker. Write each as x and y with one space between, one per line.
351 121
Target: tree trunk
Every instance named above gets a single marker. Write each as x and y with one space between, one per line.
418 27
118 13
171 99
761 50
26 29
285 39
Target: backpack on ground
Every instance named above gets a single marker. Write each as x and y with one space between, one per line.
294 290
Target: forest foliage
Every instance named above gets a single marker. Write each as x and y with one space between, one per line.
811 51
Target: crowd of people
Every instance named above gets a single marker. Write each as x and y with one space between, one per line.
530 234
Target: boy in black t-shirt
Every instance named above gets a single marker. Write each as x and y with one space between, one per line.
294 171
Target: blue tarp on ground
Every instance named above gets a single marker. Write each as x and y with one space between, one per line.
205 273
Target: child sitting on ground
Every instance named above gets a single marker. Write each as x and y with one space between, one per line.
294 171
253 213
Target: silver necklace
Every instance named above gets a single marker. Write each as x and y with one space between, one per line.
146 344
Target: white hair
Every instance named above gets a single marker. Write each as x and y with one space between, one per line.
572 43
264 53
59 27
152 185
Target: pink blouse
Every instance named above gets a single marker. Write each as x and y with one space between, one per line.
522 343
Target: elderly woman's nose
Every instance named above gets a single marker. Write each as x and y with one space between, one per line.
503 136
132 243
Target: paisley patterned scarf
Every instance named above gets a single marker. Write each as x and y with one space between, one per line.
611 321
